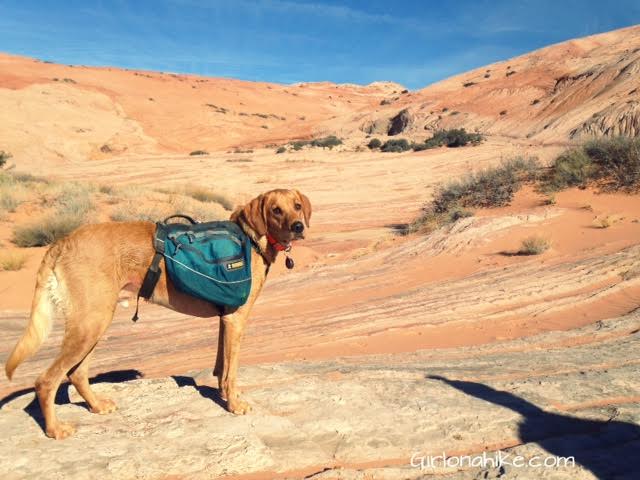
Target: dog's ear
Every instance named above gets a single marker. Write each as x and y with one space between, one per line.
306 206
254 214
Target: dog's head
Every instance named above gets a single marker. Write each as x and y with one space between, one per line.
282 214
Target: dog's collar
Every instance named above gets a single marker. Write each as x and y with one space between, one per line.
277 245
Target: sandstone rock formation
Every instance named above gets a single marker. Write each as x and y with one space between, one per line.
567 394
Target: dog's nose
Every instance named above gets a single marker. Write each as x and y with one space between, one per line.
297 227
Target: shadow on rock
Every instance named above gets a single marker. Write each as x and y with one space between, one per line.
62 395
609 449
205 391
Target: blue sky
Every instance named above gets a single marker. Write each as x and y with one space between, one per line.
411 42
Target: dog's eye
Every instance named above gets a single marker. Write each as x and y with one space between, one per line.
277 210
298 206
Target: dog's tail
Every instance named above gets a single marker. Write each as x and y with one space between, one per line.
43 312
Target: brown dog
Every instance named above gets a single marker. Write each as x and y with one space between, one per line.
81 276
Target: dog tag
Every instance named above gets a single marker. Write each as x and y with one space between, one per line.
289 263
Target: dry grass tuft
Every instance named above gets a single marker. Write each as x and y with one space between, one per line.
12 261
202 194
534 245
46 230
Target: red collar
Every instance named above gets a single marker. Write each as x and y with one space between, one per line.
275 244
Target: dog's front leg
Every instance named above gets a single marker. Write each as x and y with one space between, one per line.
232 330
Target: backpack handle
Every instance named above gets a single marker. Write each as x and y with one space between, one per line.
179 215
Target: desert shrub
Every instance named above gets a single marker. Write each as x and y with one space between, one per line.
198 152
21 177
46 231
73 199
4 156
203 194
281 150
493 187
571 168
106 189
455 137
133 211
617 160
418 147
605 222
327 142
8 202
468 84
12 261
396 145
534 245
201 211
613 162
457 213
374 143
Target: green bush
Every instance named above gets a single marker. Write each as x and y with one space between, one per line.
617 160
374 143
198 152
326 142
281 150
298 144
613 162
418 147
396 145
493 187
570 169
455 137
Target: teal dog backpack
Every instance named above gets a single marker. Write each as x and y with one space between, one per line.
210 261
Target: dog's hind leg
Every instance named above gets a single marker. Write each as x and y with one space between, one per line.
79 376
48 383
82 333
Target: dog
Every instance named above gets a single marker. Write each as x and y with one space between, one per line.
81 276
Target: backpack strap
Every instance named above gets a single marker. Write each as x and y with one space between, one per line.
153 272
179 215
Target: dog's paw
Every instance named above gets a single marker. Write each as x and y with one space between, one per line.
102 406
60 430
238 407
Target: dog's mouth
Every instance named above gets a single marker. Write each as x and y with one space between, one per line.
298 236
